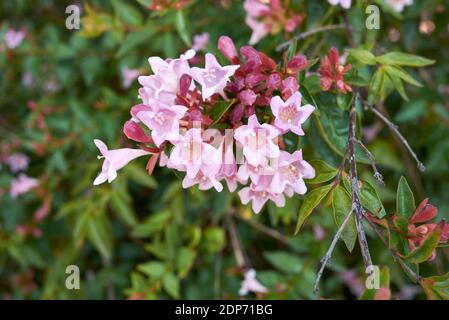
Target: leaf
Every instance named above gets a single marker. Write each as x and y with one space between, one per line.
405 205
424 251
154 223
437 287
323 172
133 39
369 197
342 205
171 285
375 86
127 13
123 209
291 52
312 199
219 109
364 56
284 261
403 59
153 269
100 234
399 72
181 27
140 176
184 261
397 83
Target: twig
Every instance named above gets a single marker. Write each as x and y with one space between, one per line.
396 131
236 247
306 34
372 160
356 204
263 228
329 251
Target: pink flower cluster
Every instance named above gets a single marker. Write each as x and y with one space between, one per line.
269 16
177 123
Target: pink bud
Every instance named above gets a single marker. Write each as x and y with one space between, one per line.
247 97
274 81
288 87
254 79
236 114
184 84
297 63
227 48
134 132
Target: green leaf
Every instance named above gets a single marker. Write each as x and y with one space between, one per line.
133 39
364 56
312 199
140 176
154 223
397 83
219 109
127 13
323 172
342 205
400 73
123 209
284 261
437 287
403 59
375 87
184 261
100 234
405 205
171 285
153 269
424 251
181 27
291 52
369 197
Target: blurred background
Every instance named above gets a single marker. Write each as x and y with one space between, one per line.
144 236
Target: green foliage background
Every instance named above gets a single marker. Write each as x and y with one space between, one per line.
143 236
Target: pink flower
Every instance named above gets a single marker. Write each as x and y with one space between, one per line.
228 170
398 5
18 162
213 78
257 141
289 114
344 3
22 185
259 198
259 30
258 194
205 179
291 172
133 131
114 160
163 85
14 38
190 154
250 284
332 72
162 120
128 76
200 41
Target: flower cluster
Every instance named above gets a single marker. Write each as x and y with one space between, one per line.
257 103
332 72
265 17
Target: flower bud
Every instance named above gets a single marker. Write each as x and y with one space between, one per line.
134 132
227 48
247 97
297 64
288 87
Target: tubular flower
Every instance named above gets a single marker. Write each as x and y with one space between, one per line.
332 73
